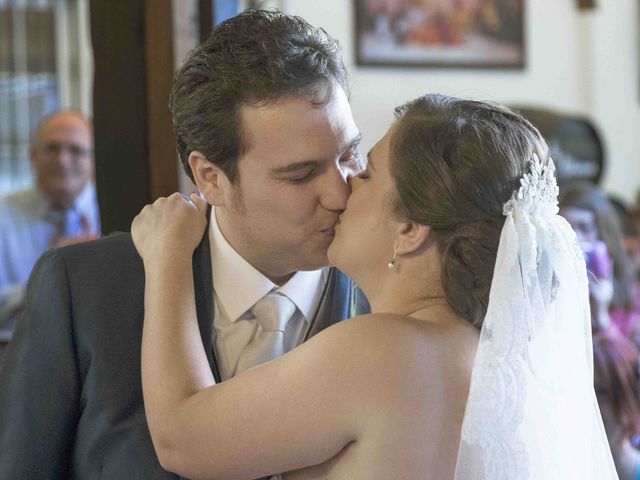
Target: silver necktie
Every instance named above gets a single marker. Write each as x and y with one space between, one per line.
272 313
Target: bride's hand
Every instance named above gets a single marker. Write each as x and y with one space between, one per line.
170 226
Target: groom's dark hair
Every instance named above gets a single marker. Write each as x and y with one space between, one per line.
252 59
455 164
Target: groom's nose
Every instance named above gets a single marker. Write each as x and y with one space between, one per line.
335 189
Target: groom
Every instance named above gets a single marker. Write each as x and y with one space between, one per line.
265 131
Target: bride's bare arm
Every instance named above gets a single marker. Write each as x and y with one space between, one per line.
297 411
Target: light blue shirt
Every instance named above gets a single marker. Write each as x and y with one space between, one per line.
29 226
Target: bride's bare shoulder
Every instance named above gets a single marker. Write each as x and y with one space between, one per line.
384 342
404 330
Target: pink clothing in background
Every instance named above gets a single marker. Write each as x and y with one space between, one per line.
626 320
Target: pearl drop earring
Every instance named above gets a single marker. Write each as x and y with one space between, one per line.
392 262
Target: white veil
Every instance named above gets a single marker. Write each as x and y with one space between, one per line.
532 412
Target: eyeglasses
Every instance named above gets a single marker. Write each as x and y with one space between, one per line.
55 149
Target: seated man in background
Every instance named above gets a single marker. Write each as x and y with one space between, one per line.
58 209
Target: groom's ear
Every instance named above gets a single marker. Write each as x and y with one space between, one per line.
210 180
413 238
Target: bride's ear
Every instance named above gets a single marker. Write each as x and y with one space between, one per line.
412 238
210 180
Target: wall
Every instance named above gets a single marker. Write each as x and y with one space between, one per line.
581 62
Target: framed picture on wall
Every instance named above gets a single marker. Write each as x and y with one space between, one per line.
278 4
225 9
440 33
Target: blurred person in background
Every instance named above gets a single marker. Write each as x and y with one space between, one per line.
616 384
595 221
60 208
631 232
630 225
597 225
631 239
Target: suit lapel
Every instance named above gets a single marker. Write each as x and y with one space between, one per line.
334 304
203 286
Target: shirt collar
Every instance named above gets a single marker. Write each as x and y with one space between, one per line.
301 290
237 297
41 206
83 203
86 200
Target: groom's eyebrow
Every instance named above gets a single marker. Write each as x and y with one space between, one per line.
297 166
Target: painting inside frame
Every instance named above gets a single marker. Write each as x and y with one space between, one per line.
440 33
261 4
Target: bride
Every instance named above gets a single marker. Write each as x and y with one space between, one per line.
475 362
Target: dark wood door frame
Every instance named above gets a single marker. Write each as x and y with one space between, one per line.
134 143
163 170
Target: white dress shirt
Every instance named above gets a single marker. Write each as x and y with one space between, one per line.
238 285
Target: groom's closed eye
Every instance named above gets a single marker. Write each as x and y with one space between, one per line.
304 178
296 172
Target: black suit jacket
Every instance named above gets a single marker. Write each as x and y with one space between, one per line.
70 388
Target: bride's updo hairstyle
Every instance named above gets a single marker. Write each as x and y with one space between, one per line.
455 164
